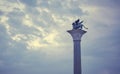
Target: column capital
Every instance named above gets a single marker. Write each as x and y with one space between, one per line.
76 33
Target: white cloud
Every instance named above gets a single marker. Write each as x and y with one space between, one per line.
27 21
19 37
51 38
3 19
35 44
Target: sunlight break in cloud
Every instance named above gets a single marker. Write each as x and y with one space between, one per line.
35 44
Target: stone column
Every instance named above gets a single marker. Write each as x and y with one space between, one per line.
76 35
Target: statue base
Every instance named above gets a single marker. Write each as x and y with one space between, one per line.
76 33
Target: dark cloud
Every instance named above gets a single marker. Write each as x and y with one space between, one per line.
104 54
29 2
4 39
103 3
1 13
64 8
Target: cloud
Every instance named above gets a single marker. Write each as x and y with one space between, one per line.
29 3
34 38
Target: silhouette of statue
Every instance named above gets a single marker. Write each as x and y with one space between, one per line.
78 24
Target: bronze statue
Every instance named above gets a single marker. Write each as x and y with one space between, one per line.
78 24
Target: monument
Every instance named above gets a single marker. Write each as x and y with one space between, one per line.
76 34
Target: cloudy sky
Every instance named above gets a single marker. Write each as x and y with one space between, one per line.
33 37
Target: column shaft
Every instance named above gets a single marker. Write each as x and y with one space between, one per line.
77 57
76 35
